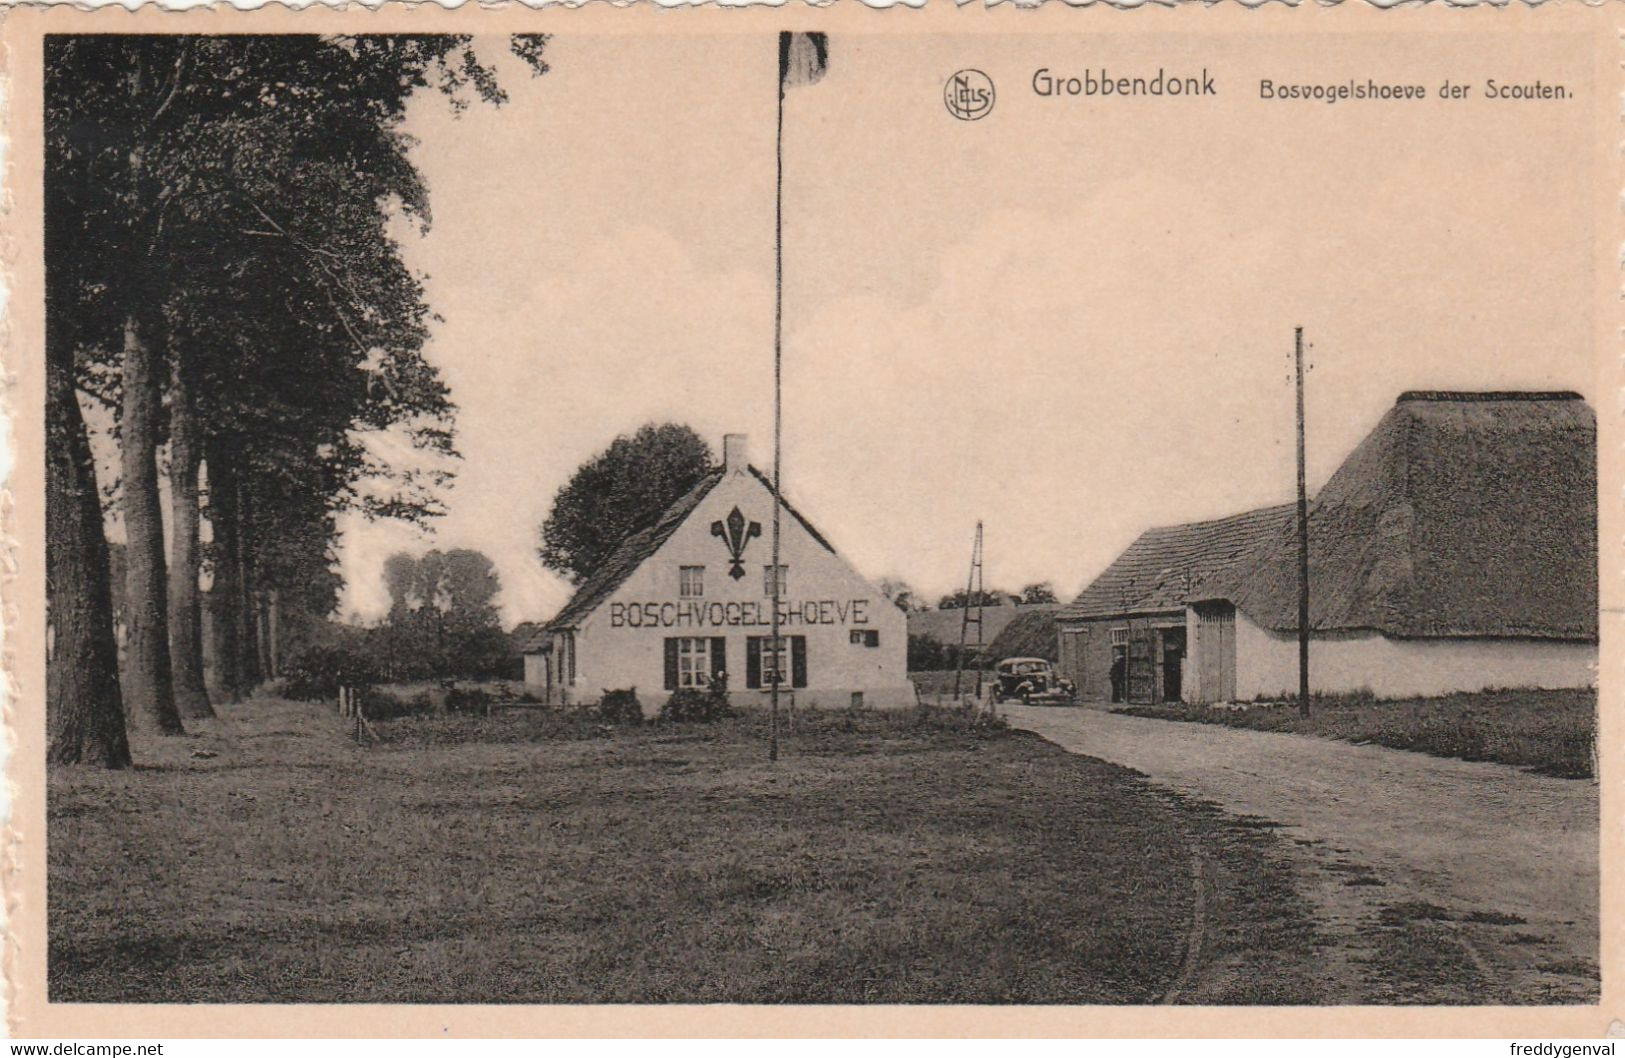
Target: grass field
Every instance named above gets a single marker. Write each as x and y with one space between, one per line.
537 857
1549 732
939 684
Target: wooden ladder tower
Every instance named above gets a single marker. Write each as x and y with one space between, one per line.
973 595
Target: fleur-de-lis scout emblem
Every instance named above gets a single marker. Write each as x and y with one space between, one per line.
735 534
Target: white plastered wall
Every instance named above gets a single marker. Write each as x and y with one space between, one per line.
614 653
1267 664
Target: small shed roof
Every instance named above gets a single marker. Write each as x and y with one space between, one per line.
1170 564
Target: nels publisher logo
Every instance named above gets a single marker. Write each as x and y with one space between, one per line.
969 95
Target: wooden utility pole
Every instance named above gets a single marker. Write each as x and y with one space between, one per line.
1303 549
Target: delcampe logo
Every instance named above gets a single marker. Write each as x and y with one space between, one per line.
969 95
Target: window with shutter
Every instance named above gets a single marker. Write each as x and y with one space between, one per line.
753 662
798 661
671 664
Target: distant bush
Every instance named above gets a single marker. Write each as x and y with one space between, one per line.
317 673
926 654
621 707
379 704
468 699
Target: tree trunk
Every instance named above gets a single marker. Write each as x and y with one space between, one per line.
262 626
225 616
274 633
84 710
248 645
148 683
185 611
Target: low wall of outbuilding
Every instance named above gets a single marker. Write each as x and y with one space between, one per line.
1267 664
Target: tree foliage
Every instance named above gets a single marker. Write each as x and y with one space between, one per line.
443 619
961 599
618 492
902 595
1039 592
229 202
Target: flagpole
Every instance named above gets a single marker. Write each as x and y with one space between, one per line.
778 396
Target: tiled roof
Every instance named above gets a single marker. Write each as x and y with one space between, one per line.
1167 566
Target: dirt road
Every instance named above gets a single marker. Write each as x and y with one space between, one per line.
1496 862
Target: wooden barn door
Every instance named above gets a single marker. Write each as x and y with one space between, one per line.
1216 652
1142 670
1073 665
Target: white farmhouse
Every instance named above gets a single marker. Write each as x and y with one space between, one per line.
691 597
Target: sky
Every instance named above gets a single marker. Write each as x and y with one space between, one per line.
1072 320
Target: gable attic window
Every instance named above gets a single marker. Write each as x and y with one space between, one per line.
690 582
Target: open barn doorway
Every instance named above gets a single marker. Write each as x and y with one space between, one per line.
1170 656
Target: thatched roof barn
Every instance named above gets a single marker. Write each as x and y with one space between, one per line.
1455 548
1460 515
1031 635
943 626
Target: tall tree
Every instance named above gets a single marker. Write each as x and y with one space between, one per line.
84 707
171 154
226 631
621 490
185 551
148 685
443 611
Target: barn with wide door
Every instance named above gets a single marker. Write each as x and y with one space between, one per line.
690 599
1131 636
1455 549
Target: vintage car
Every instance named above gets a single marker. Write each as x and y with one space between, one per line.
1029 680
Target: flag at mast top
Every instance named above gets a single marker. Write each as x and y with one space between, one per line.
803 57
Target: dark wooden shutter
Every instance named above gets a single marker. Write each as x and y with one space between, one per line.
671 664
753 663
719 655
798 661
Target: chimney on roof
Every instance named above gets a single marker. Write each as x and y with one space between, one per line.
735 452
